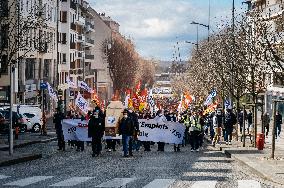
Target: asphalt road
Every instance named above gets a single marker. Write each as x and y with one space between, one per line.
204 169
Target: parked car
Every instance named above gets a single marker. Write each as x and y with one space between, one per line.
17 119
4 124
35 120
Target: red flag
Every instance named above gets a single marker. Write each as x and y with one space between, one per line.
138 86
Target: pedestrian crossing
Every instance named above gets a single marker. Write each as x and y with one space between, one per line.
117 182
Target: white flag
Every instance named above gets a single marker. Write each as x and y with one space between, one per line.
85 86
70 83
82 103
126 100
51 92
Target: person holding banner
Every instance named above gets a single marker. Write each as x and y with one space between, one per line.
161 118
127 130
96 128
57 120
147 144
134 118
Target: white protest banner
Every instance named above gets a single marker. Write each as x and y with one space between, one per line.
51 92
150 130
168 132
75 129
82 103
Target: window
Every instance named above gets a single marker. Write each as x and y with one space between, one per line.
30 69
64 38
64 58
46 68
4 64
63 16
29 115
4 8
4 36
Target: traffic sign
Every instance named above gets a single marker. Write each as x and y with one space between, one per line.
43 85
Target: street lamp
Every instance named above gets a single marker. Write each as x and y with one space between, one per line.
204 25
196 44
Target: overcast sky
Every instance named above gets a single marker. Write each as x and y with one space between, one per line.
156 25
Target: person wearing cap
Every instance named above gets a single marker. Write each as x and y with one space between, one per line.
126 128
96 128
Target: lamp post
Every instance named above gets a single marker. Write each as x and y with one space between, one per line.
204 25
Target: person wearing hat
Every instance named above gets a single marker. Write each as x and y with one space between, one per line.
57 120
126 128
96 128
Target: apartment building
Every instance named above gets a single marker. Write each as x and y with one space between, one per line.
31 44
271 11
76 52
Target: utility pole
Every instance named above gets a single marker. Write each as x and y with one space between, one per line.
244 127
11 144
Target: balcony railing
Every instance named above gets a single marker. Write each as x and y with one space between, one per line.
92 57
91 41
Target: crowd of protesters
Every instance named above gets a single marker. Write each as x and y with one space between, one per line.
217 125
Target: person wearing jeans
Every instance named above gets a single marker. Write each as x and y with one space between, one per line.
126 129
230 120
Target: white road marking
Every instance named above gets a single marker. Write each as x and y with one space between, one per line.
3 177
28 181
117 182
248 184
202 184
71 182
160 183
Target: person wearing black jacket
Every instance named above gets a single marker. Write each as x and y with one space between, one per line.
96 128
147 144
134 118
126 128
57 120
278 119
230 121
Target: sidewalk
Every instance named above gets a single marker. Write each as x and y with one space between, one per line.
26 139
258 161
7 160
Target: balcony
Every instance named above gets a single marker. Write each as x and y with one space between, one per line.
80 21
72 45
81 38
272 11
73 5
90 27
91 57
73 26
89 42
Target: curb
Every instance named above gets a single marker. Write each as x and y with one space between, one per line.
28 143
254 170
20 160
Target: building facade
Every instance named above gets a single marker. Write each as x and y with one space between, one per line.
66 41
271 12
